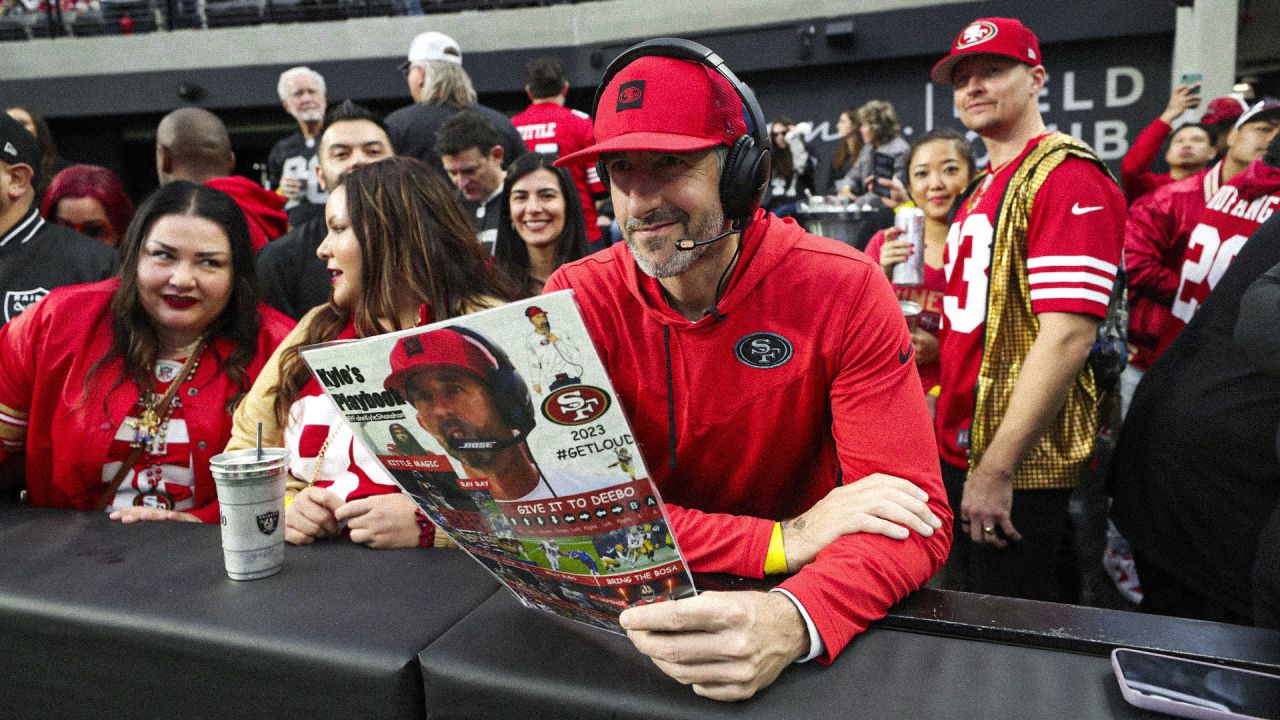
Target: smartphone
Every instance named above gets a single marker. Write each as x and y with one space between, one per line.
881 167
1194 689
1192 78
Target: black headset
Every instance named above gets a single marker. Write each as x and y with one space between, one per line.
508 390
746 168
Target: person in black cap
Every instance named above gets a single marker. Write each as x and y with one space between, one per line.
36 256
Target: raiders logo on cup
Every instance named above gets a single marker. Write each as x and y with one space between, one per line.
268 521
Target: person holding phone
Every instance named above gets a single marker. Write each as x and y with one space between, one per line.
1191 146
883 155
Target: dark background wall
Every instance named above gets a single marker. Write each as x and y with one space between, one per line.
1108 65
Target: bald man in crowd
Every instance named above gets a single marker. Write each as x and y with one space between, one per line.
193 144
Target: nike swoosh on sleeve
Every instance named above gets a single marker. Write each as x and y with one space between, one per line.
1077 210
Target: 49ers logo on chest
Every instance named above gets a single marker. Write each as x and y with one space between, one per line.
576 405
764 350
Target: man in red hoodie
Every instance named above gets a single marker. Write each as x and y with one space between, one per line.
1157 232
761 398
1233 213
193 144
1191 147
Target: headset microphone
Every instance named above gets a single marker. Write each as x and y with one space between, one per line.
686 244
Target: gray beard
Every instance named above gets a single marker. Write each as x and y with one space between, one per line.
682 260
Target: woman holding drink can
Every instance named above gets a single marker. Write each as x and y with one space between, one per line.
115 394
401 252
939 168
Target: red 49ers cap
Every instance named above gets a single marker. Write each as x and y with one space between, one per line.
433 348
1225 109
662 104
989 36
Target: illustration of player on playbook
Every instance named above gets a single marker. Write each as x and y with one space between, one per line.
554 360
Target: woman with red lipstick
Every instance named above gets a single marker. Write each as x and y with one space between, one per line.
540 225
939 168
114 395
401 251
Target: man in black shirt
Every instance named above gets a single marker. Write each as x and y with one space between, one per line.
291 164
294 279
36 256
441 89
1195 476
472 153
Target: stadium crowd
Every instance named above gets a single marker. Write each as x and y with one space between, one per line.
1067 325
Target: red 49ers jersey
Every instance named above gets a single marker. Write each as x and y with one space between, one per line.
1233 213
1074 239
555 130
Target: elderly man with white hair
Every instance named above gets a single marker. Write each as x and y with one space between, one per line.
291 166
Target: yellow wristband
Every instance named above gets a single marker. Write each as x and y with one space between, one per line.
775 561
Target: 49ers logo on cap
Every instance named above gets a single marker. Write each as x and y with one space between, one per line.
976 34
630 95
576 405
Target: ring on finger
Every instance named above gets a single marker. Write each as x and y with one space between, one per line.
988 529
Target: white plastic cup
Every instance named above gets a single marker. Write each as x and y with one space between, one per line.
251 493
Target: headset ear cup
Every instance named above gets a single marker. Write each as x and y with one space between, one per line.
509 392
742 182
511 395
603 174
761 169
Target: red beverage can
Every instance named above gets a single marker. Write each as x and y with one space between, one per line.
910 272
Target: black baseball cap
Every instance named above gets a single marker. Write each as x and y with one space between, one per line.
17 146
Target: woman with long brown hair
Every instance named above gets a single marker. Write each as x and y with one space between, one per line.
115 394
848 148
401 252
540 226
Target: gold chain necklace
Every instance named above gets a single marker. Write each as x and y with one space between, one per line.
154 420
324 447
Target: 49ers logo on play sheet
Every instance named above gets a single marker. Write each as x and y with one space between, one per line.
576 405
976 34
